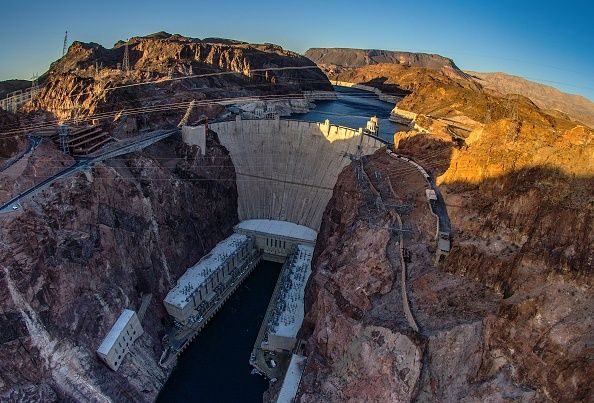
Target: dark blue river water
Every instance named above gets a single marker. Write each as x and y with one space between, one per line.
353 108
215 366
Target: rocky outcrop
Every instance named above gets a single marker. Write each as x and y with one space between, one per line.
506 316
11 143
92 245
519 195
89 78
359 344
9 86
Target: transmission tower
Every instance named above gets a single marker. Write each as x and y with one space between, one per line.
64 48
186 117
126 62
63 136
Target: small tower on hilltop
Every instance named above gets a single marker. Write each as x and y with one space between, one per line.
126 61
65 47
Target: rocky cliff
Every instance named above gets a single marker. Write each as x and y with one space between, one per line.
89 79
507 315
10 144
9 86
89 247
360 343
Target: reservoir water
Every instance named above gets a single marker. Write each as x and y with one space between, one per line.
215 367
353 108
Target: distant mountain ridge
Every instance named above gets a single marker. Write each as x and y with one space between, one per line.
545 96
353 58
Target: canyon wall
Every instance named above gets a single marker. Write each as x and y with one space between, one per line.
507 315
360 344
92 245
90 81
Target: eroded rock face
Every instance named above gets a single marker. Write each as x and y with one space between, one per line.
90 246
360 345
350 360
11 142
89 79
518 189
522 216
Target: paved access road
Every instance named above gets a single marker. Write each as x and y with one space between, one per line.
82 163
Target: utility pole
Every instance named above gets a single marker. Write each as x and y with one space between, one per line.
126 62
64 48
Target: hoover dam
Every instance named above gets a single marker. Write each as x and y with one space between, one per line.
286 169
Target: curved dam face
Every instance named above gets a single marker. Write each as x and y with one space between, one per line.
286 170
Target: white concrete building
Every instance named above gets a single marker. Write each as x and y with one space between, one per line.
288 314
277 239
431 195
118 341
197 289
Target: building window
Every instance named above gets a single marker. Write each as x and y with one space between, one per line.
119 357
115 364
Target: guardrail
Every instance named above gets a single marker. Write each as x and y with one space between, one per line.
16 99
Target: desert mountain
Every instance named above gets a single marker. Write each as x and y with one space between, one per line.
91 78
341 58
546 97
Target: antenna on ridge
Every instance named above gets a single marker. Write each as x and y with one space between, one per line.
126 62
64 48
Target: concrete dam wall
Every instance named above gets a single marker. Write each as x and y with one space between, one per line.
286 170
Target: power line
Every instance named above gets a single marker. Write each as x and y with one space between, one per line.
161 108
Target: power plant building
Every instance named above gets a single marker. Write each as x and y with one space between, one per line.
118 341
277 239
288 312
199 287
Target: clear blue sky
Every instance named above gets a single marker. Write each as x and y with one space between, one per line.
547 42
